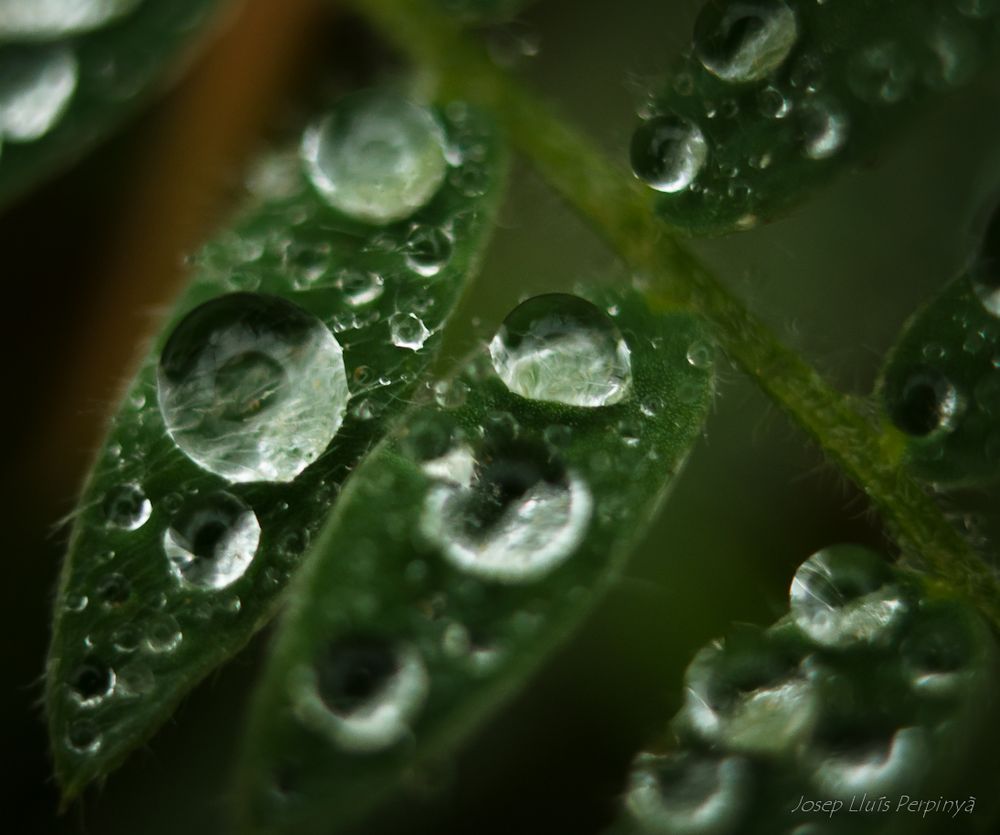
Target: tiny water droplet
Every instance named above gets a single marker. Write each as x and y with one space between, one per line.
163 634
211 541
701 355
408 330
127 507
522 515
668 152
83 737
113 590
359 286
36 86
845 595
881 73
362 694
823 129
91 683
252 387
927 402
427 250
562 349
745 41
376 157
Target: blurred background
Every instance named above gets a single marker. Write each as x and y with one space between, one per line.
92 256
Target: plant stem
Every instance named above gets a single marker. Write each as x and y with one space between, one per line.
621 210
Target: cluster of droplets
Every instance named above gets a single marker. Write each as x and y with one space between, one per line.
942 385
254 386
758 93
501 509
866 688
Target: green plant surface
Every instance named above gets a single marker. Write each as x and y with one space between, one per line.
872 689
134 629
776 98
383 588
941 383
62 90
484 10
621 211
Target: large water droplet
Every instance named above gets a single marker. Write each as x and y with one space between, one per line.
252 387
522 515
211 541
744 41
925 402
845 594
668 152
127 507
36 85
944 651
749 697
376 157
51 19
363 694
562 349
694 794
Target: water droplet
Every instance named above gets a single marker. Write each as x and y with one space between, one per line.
773 104
164 634
881 73
91 683
701 355
928 402
823 129
522 515
450 394
427 250
376 157
860 759
252 387
844 595
562 349
748 697
744 41
83 737
113 590
668 152
125 639
211 541
942 653
955 56
127 507
36 85
363 694
695 794
76 602
359 287
408 331
51 19
457 466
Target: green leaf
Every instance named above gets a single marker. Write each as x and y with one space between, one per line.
775 98
244 387
466 549
871 688
68 77
940 386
